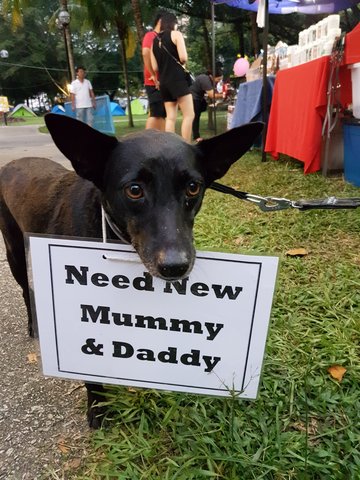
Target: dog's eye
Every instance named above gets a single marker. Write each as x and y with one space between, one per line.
134 191
193 189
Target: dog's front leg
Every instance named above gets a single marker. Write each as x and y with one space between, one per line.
95 413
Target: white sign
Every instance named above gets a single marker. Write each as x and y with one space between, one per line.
103 318
4 104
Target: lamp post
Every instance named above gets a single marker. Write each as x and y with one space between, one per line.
3 54
63 22
4 107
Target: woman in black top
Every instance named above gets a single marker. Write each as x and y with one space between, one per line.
168 54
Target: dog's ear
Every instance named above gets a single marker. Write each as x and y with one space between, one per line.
220 152
86 148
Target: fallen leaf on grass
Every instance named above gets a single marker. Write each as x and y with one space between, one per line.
311 428
72 464
337 372
32 358
63 447
297 252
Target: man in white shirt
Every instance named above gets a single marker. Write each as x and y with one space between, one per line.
82 97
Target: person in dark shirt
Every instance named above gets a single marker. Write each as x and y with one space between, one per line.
202 86
168 57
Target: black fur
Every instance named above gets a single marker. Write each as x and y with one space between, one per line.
151 184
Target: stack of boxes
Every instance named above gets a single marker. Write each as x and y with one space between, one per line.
314 42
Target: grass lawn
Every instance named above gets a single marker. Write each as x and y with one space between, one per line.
24 121
304 424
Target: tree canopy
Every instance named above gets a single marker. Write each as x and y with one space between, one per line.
106 39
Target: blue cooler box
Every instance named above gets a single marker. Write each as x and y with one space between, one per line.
352 152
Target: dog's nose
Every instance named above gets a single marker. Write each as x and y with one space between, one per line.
173 271
174 265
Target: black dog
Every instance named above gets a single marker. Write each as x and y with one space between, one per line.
150 184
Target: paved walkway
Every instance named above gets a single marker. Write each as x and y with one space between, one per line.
18 141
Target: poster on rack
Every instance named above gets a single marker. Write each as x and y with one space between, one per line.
103 318
4 105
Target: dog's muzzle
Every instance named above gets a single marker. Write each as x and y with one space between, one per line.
174 265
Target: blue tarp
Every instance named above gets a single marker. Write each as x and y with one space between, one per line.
293 6
102 115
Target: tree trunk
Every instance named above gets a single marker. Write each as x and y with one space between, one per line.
254 34
69 51
208 53
138 20
68 43
355 10
347 21
240 32
121 35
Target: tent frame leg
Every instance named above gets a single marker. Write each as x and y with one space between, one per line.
265 89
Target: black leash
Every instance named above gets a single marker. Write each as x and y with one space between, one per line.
273 204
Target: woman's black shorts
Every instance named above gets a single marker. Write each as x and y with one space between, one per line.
172 91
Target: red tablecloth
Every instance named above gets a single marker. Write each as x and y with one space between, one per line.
299 104
352 46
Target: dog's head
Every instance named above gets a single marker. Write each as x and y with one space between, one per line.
152 183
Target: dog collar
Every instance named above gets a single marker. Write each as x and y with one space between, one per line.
105 218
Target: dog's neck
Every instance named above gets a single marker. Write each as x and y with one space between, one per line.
106 219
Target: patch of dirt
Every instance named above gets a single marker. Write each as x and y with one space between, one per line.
43 428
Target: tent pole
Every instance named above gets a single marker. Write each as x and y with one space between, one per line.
265 85
213 62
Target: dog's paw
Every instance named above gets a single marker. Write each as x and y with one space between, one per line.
95 411
95 417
